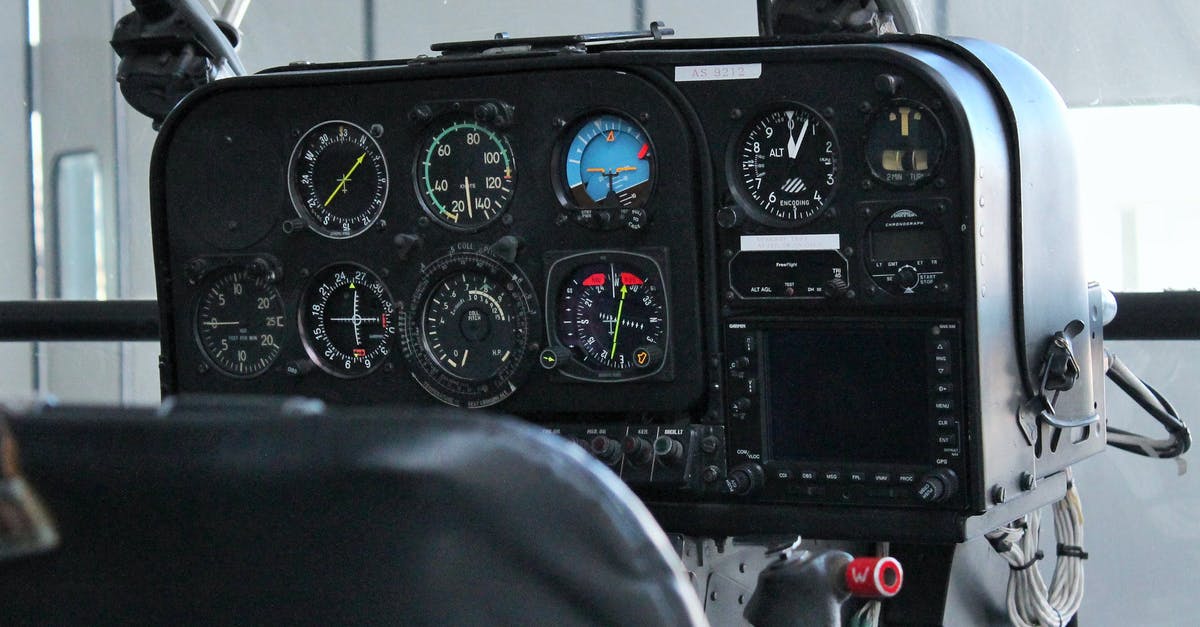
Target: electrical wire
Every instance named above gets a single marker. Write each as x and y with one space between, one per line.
1179 439
1030 601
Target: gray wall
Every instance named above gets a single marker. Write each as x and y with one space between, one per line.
16 249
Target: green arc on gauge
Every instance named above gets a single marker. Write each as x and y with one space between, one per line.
437 140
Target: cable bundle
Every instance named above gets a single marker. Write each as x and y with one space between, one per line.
1179 438
1030 601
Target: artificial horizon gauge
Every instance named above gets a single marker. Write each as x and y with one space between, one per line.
905 141
465 175
784 165
347 320
467 334
338 179
608 162
610 314
239 322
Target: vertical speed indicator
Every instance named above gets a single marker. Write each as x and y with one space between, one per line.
239 322
784 165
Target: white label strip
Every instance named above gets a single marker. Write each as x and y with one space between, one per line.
819 241
734 72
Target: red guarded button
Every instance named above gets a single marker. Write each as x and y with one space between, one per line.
874 577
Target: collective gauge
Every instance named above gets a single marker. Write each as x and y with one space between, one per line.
239 322
610 314
904 143
468 329
338 179
465 175
347 320
608 162
784 165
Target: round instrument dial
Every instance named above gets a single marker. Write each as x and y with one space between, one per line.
239 322
347 320
784 165
904 143
608 162
338 179
469 330
465 175
612 315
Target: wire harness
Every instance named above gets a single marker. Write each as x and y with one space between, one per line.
1178 440
1030 601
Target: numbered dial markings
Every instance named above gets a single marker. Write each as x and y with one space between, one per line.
608 163
465 175
347 320
239 322
468 335
338 179
784 166
612 315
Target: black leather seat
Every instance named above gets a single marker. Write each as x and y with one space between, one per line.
228 511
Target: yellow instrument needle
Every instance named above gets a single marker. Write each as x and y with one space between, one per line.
612 354
345 177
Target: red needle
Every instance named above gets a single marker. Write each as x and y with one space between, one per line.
645 149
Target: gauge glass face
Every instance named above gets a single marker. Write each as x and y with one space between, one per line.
785 165
468 332
338 179
608 162
239 322
612 315
347 320
904 143
465 175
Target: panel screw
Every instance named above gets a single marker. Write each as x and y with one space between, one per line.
998 494
1028 481
735 114
377 130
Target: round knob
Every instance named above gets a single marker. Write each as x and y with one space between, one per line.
937 486
745 479
668 450
874 577
907 277
740 404
638 450
605 449
554 357
728 217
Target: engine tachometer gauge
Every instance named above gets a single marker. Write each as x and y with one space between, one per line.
610 313
468 330
239 322
465 175
338 179
347 320
784 165
608 162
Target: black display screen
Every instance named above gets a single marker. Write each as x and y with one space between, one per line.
853 396
905 245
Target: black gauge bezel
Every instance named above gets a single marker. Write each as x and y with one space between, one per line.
296 195
425 143
311 351
733 172
866 141
208 281
442 385
558 173
561 268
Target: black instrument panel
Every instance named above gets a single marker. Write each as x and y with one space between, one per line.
598 242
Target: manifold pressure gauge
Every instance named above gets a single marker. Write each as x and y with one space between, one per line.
338 179
784 165
239 321
347 320
468 331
